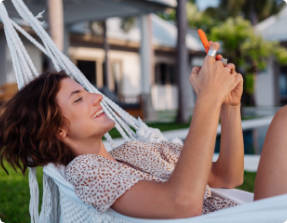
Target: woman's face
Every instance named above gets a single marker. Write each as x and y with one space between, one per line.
83 111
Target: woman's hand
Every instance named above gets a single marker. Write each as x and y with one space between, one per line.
216 81
234 97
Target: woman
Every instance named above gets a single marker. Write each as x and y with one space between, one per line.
53 119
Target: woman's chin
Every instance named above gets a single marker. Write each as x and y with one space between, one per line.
110 125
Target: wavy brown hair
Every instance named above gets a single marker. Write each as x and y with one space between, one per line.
29 124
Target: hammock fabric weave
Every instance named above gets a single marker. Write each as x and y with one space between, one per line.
60 203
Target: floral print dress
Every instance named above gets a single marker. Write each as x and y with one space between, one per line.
100 182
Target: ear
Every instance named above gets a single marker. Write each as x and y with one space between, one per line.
62 133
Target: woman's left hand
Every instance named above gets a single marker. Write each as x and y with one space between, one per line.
234 98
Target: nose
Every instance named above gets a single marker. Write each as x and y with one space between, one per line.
97 98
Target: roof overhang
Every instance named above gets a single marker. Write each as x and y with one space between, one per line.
273 28
85 10
169 3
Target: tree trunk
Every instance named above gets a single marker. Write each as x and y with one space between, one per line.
184 111
253 15
56 22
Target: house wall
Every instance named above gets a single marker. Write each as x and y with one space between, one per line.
265 86
130 83
164 97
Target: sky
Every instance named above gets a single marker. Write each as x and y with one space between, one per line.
202 4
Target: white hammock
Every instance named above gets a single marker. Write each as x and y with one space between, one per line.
60 203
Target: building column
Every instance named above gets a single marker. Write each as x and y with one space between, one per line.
146 63
66 43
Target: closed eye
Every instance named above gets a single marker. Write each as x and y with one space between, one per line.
78 100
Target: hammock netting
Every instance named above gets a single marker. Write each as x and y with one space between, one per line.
59 202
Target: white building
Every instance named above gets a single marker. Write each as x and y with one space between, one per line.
126 54
124 77
271 85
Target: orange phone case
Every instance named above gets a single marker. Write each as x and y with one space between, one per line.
205 42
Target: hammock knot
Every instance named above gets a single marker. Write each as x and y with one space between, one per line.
148 134
40 14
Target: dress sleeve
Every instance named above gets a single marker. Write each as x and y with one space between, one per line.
174 146
99 181
170 151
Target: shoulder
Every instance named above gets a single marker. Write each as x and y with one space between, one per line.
94 166
85 162
87 165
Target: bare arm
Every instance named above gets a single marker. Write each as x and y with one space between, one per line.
182 194
228 170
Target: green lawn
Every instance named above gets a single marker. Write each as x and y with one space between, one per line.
14 196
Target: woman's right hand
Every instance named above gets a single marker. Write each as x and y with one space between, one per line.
213 81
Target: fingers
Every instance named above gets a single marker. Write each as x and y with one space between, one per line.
213 46
218 57
194 74
238 79
228 70
195 70
193 78
231 67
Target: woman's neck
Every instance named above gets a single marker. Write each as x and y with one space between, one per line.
91 147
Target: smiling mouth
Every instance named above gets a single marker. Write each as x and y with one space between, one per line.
99 113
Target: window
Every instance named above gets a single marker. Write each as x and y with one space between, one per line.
89 70
94 72
283 85
165 74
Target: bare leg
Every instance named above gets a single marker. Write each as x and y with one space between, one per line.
271 178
